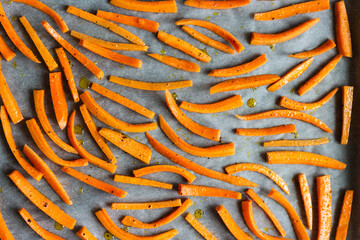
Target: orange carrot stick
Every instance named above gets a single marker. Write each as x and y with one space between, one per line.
4 230
204 191
58 99
269 131
5 50
164 168
216 4
178 63
324 206
40 201
342 30
146 205
326 46
347 101
85 234
167 6
141 181
343 225
306 197
297 143
267 39
199 227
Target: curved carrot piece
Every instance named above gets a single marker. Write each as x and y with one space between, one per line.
326 46
324 206
347 101
240 69
238 167
342 30
73 51
244 82
40 201
146 205
291 75
287 114
110 120
58 99
178 63
294 105
85 234
216 4
342 228
297 143
297 157
306 197
164 168
5 50
133 222
141 181
253 132
204 191
199 227
186 163
4 230
267 39
167 6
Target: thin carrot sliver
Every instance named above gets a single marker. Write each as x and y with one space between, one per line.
343 225
342 30
347 102
297 143
85 234
141 181
178 63
199 227
324 206
4 230
205 191
58 99
306 197
146 205
166 6
326 46
269 131
216 4
5 50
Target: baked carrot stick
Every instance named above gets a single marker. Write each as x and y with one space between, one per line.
73 51
306 158
164 168
4 230
178 63
267 39
58 99
96 183
297 143
342 30
205 191
269 131
326 46
291 75
343 225
199 227
347 101
41 201
287 114
306 197
146 205
324 206
110 120
216 4
85 234
167 6
186 163
240 69
5 50
244 82
141 181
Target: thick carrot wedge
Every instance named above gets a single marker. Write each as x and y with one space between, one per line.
324 206
164 168
297 143
343 225
204 191
166 6
267 39
5 50
199 227
4 230
146 205
40 201
306 158
254 132
342 30
85 234
178 63
186 163
216 4
141 181
240 69
58 99
347 102
326 46
306 197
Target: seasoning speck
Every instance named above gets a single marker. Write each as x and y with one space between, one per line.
162 51
14 65
78 129
215 13
84 83
198 213
81 190
125 228
251 102
272 47
296 135
81 141
58 226
13 18
208 18
175 96
108 235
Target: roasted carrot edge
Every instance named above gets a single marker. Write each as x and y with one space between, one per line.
164 168
146 205
5 50
58 99
200 228
306 197
281 129
4 230
347 102
210 4
205 191
343 225
85 234
326 46
324 206
141 181
178 63
296 143
342 30
167 6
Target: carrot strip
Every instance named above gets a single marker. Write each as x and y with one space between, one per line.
45 54
96 183
287 114
4 230
36 227
110 120
58 99
297 143
178 63
141 181
318 77
164 168
291 75
146 205
238 167
209 4
73 51
244 82
347 101
40 201
199 227
106 221
326 46
342 30
204 191
85 234
297 157
342 228
267 39
240 69
254 132
5 50
186 163
167 6
229 222
324 206
32 171
306 197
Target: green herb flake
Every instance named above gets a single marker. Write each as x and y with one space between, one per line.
58 226
84 83
198 213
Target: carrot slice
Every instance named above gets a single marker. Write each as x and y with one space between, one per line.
199 227
267 39
178 63
297 157
58 99
254 132
110 120
106 221
342 30
133 222
306 197
297 143
45 148
216 4
244 82
141 181
324 206
167 6
85 234
146 205
186 163
73 51
205 191
318 77
240 69
36 227
5 50
40 201
238 167
326 46
150 86
342 228
252 194
287 114
291 75
294 105
347 101
164 168
4 230
32 171
229 222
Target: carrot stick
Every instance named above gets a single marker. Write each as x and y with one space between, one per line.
291 75
58 99
306 158
164 168
5 50
36 227
178 63
96 183
254 132
267 39
286 114
141 181
204 191
244 82
347 101
186 163
306 197
238 167
167 6
216 4
73 51
146 205
326 46
297 143
294 105
342 30
324 206
221 150
5 234
85 234
110 120
199 227
342 228
45 54
240 69
32 171
40 201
